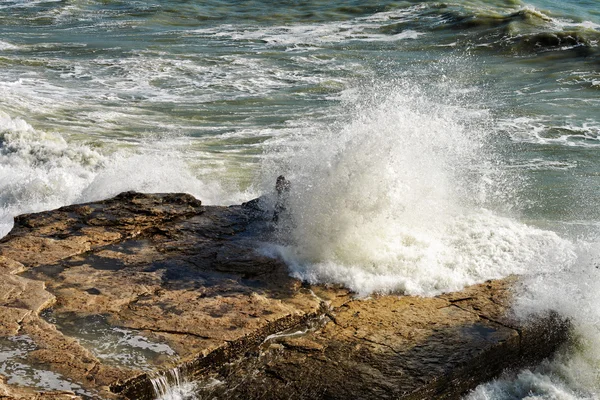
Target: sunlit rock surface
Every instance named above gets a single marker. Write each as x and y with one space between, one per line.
100 297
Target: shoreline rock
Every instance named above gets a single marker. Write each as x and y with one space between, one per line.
110 293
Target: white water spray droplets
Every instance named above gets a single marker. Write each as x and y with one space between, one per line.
402 198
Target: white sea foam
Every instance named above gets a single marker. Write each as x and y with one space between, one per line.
7 46
564 24
26 3
360 29
38 170
400 15
403 198
41 170
541 130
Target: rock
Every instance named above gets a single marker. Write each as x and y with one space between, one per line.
10 320
397 348
9 266
22 293
145 283
163 267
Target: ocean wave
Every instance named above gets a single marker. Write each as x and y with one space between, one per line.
523 31
41 170
310 34
584 42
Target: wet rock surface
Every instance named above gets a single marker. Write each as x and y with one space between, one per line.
8 392
396 348
109 293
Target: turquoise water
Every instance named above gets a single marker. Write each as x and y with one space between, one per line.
431 145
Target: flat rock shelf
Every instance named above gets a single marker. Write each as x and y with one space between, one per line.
105 299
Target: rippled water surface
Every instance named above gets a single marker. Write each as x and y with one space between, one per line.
430 145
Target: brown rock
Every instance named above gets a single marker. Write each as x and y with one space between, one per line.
18 292
10 320
302 344
9 266
160 266
186 285
394 347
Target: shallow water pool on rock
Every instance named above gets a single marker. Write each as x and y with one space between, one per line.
114 345
20 371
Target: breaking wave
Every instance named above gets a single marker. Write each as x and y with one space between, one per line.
409 196
41 170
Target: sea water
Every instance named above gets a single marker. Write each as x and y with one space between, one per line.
429 145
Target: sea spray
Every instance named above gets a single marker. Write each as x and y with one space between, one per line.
408 196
